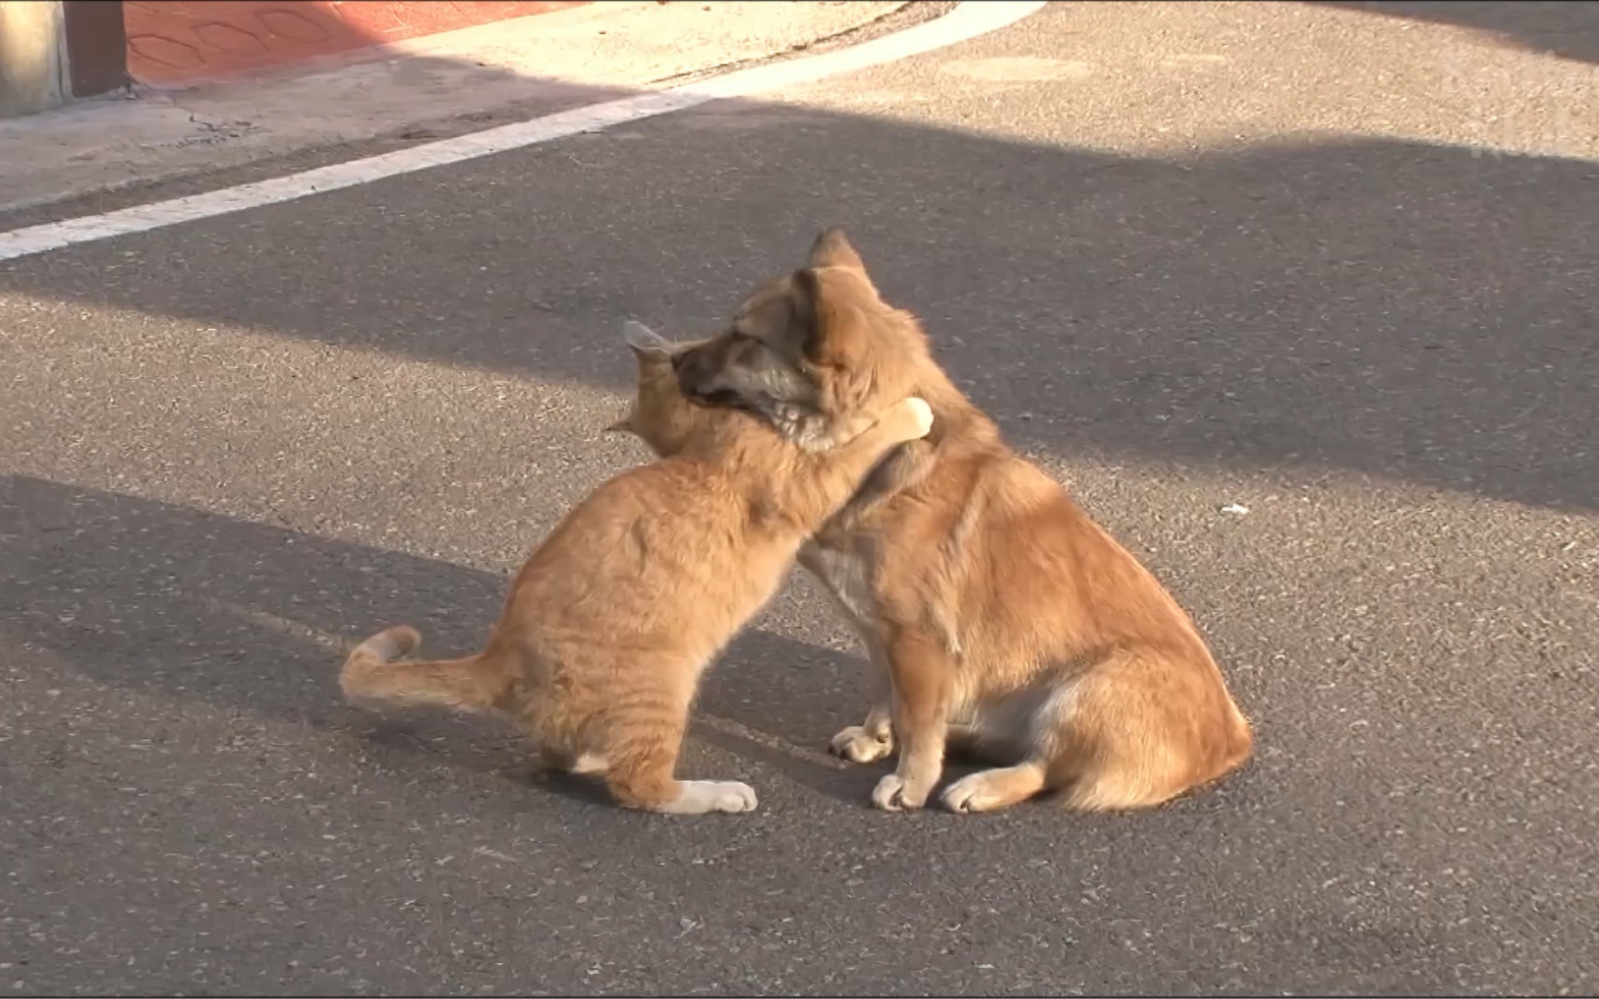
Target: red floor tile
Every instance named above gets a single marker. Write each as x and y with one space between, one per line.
182 41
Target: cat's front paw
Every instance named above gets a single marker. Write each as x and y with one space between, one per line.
918 417
698 797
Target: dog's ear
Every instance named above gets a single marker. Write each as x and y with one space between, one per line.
622 426
824 318
804 314
831 248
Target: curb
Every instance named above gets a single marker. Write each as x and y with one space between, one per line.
101 155
969 19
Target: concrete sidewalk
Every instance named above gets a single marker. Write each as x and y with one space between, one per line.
415 90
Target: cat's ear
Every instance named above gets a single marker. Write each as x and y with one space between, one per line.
645 341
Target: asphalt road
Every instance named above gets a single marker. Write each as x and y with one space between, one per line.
1188 255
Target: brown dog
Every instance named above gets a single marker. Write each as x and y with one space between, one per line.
995 612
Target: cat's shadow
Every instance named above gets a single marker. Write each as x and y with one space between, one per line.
738 697
96 579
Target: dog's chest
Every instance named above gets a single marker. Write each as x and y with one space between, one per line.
847 576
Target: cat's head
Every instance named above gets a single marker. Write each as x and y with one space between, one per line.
661 415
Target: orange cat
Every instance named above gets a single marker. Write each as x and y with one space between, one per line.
610 624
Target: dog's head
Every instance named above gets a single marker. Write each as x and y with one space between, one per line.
810 349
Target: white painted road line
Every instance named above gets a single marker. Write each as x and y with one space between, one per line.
968 20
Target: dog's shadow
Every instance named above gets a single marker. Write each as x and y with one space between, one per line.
100 581
472 744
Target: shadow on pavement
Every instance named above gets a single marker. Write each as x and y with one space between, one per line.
1376 307
191 605
1566 29
157 599
1386 308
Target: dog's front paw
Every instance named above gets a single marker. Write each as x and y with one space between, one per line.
896 795
858 745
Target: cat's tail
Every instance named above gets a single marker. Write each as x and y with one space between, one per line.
371 676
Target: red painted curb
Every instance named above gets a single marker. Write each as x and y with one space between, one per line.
172 42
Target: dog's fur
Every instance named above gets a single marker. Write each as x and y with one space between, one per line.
996 614
611 622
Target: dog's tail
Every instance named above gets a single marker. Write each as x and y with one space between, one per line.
371 676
